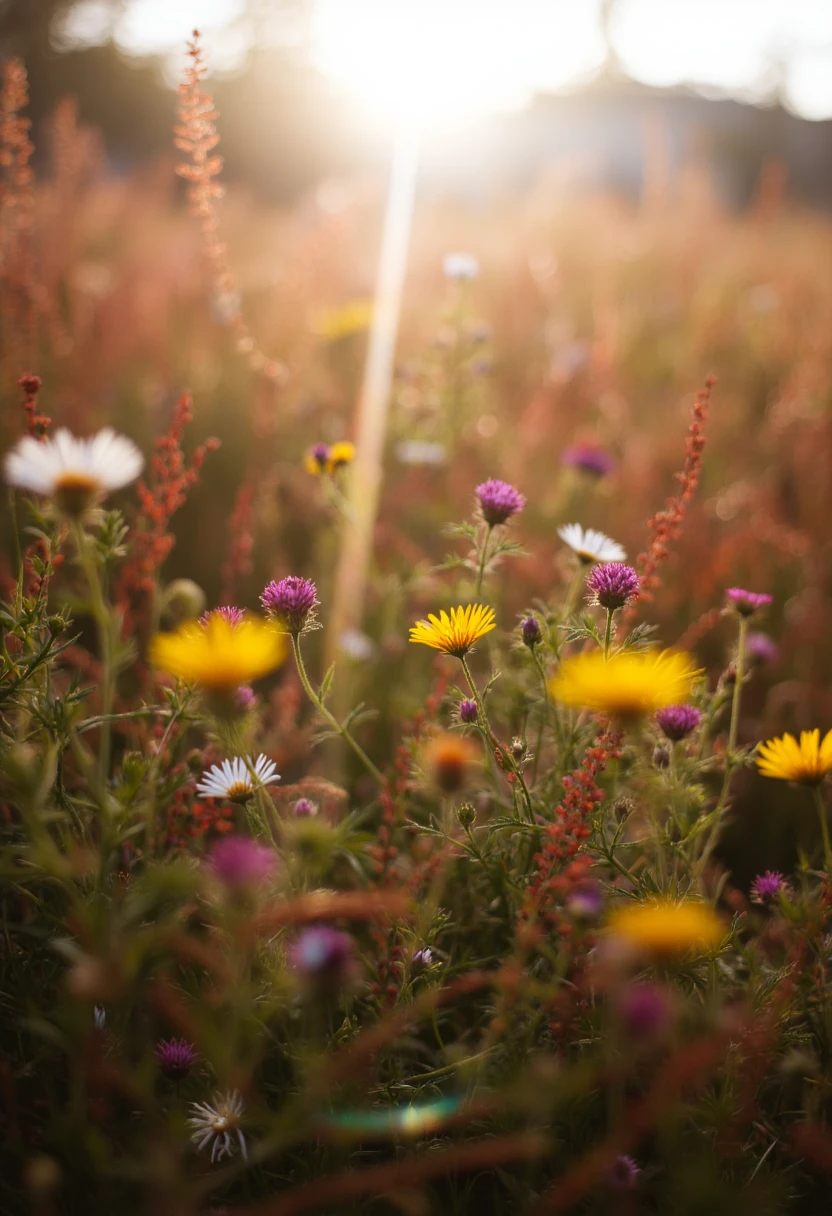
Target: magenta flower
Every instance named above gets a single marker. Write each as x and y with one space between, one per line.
623 1174
304 808
588 459
239 861
231 615
291 601
468 712
612 585
766 887
322 955
677 721
645 1011
746 603
244 698
175 1057
760 648
499 501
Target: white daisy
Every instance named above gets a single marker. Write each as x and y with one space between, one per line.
217 1123
237 779
76 472
591 546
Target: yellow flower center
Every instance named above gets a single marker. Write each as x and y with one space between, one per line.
75 492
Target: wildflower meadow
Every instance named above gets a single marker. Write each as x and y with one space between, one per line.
507 889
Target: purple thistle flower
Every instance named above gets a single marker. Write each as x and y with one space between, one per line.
645 1011
291 602
588 459
175 1057
239 861
322 955
468 711
746 603
499 501
612 585
677 721
623 1174
231 615
760 648
766 887
244 698
304 808
530 629
320 454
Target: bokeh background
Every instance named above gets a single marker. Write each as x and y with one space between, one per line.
646 188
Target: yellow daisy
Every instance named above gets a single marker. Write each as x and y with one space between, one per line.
333 324
454 634
219 655
626 685
340 454
661 927
807 761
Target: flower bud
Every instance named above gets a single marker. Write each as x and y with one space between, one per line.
183 600
530 629
466 814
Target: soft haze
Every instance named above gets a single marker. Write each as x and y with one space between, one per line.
454 58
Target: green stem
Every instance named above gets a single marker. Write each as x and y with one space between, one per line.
608 633
483 556
333 721
489 738
824 827
735 703
574 587
104 623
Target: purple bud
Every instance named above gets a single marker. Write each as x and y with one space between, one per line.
239 861
290 601
588 459
304 808
530 629
612 585
586 901
175 1057
468 712
422 958
322 955
677 721
499 501
746 603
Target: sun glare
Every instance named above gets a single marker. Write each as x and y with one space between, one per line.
440 62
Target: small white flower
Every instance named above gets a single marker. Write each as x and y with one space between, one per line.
75 471
217 1122
461 266
237 779
591 546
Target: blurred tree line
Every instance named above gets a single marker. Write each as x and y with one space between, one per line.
281 130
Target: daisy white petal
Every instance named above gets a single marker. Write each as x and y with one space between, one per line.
76 472
591 546
237 779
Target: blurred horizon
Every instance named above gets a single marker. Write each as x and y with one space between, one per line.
730 87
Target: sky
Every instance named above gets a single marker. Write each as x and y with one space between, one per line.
432 60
